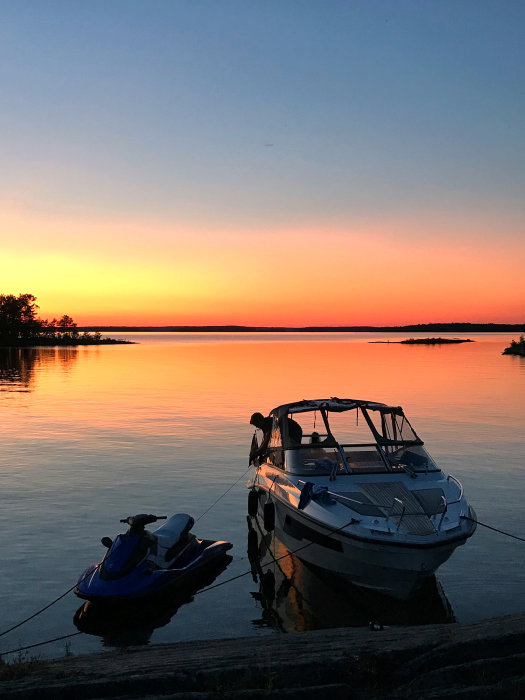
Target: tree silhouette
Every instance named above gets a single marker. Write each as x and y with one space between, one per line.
18 320
66 325
20 326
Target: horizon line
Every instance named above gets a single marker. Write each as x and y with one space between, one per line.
443 327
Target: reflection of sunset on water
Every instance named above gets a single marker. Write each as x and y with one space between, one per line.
17 365
179 392
158 388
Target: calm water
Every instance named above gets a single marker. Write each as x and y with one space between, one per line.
93 434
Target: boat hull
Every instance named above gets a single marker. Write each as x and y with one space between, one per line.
310 597
398 570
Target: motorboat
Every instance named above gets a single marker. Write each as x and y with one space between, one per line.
349 487
140 563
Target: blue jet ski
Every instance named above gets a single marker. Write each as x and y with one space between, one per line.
140 563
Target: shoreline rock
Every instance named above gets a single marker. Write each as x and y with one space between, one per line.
478 660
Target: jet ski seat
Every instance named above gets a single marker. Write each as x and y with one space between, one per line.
173 529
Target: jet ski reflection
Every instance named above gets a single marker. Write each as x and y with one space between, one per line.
295 596
132 622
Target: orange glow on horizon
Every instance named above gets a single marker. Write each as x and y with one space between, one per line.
155 273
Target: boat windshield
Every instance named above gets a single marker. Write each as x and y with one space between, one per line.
323 459
364 438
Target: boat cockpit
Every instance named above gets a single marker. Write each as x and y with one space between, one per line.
344 436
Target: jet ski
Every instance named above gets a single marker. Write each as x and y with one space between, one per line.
140 563
133 621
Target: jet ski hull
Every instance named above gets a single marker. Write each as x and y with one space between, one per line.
146 579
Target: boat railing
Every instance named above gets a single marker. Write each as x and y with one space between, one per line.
445 504
445 508
390 516
339 497
460 487
403 510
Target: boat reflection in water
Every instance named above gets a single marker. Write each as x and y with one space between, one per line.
131 623
295 596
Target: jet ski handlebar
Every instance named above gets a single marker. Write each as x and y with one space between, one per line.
138 522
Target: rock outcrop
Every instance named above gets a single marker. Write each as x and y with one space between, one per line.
478 661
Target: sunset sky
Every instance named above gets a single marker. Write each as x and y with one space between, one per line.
277 162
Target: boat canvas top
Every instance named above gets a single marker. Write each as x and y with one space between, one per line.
392 429
332 404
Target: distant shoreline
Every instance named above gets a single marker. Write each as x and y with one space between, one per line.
417 328
64 342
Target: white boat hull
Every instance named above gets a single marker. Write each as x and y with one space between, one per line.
396 570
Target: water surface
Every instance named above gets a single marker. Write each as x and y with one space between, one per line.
92 434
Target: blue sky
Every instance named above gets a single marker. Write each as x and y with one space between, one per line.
267 116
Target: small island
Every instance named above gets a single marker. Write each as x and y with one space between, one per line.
435 341
516 347
426 341
20 326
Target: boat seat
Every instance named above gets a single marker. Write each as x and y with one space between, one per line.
173 529
365 461
432 500
362 455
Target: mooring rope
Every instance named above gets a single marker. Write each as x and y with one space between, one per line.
224 494
304 546
39 644
270 563
45 606
489 527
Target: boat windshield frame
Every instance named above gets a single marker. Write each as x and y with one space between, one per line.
397 448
